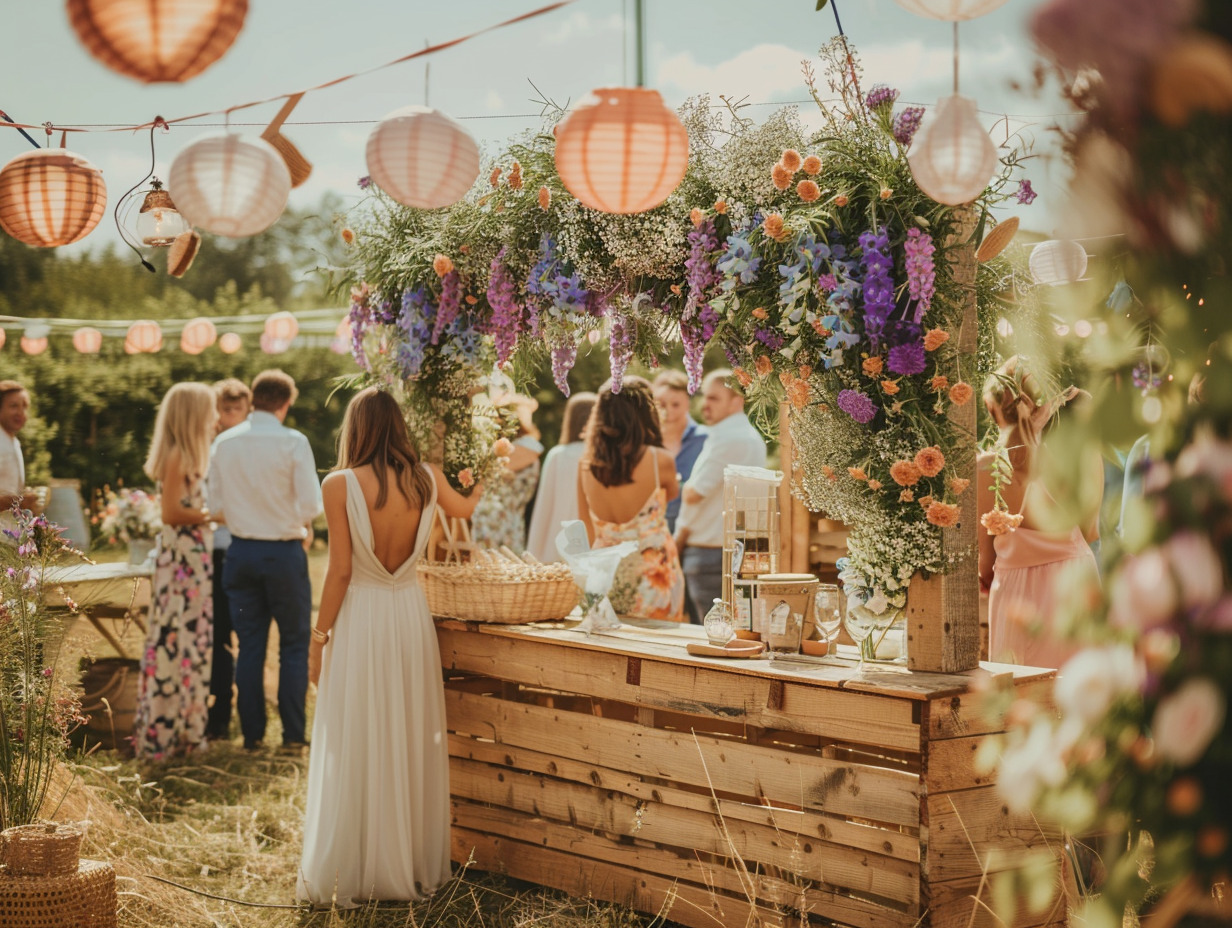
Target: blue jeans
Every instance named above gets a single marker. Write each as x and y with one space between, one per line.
269 580
703 578
222 671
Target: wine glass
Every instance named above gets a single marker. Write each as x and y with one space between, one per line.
828 613
860 622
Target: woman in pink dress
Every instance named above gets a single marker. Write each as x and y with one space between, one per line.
625 481
1028 570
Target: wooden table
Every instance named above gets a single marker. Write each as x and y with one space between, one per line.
103 591
727 792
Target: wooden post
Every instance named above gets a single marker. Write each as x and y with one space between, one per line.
943 621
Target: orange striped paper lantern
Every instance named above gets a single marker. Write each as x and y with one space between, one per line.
50 197
144 337
422 158
622 150
198 335
88 340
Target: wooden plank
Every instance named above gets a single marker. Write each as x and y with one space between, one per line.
715 895
586 807
954 903
701 691
904 846
967 713
708 763
957 824
950 765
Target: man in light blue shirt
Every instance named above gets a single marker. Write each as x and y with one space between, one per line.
263 481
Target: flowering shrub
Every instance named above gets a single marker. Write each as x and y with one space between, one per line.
127 515
37 709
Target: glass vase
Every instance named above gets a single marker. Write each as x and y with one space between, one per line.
882 636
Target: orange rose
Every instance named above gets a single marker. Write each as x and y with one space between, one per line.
471 299
805 372
885 193
798 393
906 496
808 191
935 338
780 176
348 236
857 473
939 383
772 225
812 165
466 478
442 265
889 386
515 176
943 514
763 365
1000 521
828 472
872 366
760 313
545 198
930 461
958 485
720 207
841 200
874 484
791 160
743 376
961 393
675 288
502 447
925 501
696 216
904 473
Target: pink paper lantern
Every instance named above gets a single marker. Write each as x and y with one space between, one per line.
422 158
951 157
33 345
950 10
88 340
272 345
230 343
282 326
3 338
144 337
198 335
229 185
340 344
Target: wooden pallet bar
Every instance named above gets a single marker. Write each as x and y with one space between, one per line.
717 792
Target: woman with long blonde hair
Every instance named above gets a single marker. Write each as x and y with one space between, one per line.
174 685
377 823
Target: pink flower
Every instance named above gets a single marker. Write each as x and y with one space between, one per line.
1197 568
1093 679
466 478
1144 595
1187 720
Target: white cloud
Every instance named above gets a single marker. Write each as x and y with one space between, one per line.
579 25
493 101
761 73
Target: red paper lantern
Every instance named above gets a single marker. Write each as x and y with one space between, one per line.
157 40
621 150
282 326
50 197
88 340
144 337
230 343
198 335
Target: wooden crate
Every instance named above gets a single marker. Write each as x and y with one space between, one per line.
726 792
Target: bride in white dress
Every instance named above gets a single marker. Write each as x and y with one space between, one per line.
377 824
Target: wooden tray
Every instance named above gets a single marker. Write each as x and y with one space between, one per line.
734 648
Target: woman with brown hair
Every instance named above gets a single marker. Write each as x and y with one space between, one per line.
624 483
377 823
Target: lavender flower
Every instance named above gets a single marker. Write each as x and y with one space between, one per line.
905 124
506 312
880 96
447 309
878 286
857 405
770 338
365 182
921 273
620 347
696 334
563 357
360 318
907 359
700 273
1024 194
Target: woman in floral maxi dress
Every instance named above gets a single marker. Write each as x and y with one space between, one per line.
174 684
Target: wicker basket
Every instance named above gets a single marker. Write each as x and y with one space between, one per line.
480 595
84 898
49 849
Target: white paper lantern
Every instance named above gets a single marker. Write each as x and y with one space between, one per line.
1057 262
422 158
230 186
952 158
198 335
950 10
230 343
282 326
622 150
144 337
88 340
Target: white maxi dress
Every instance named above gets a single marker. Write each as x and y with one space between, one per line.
377 823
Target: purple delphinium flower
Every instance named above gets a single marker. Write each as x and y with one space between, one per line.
878 286
620 348
563 357
416 332
360 318
880 96
506 312
447 308
696 334
905 124
770 338
921 273
857 405
907 359
700 273
1024 194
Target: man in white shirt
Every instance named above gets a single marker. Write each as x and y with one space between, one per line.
699 528
14 411
263 481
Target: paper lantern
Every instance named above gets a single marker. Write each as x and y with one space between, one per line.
230 186
1057 262
340 344
144 337
422 158
88 340
952 158
3 338
229 343
33 345
282 326
621 150
157 40
50 197
198 335
272 345
950 10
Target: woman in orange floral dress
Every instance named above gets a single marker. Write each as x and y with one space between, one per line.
625 481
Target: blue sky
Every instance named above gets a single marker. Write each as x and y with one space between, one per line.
750 49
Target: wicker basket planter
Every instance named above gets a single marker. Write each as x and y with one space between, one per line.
40 850
484 594
43 883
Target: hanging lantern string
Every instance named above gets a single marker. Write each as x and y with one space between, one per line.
430 50
158 123
7 118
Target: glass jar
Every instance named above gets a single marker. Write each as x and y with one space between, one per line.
719 624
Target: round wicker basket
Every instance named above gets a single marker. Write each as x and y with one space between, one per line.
479 595
50 849
85 898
